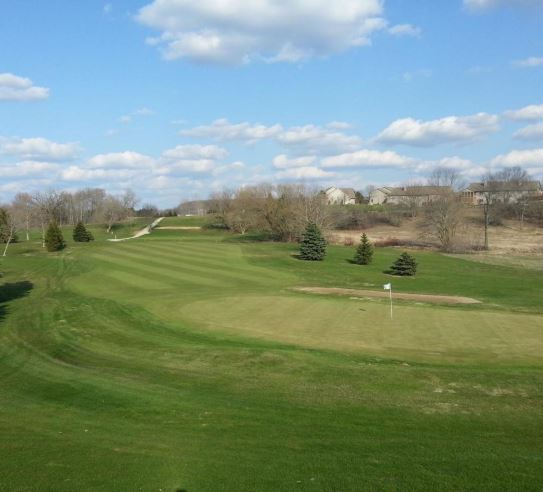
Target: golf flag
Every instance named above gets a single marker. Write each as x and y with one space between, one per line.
387 287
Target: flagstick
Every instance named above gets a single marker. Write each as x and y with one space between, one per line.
390 293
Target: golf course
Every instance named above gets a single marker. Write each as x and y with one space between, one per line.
191 360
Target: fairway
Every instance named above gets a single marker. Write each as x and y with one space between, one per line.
184 360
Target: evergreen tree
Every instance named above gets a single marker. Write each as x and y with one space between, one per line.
312 245
7 227
364 252
405 265
53 238
81 234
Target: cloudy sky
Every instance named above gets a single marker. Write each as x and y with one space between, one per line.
177 98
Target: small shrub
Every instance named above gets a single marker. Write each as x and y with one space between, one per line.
312 245
364 252
81 234
405 266
54 241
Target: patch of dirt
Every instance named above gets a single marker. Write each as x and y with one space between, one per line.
505 239
437 299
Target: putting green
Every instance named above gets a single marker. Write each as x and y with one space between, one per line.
365 326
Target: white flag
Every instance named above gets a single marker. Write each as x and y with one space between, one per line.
387 286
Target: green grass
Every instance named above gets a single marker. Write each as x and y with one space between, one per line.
187 221
183 360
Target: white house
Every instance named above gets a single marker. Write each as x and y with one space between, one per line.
340 196
502 191
407 194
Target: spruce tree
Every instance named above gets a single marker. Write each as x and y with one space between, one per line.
405 266
54 241
364 252
312 245
81 234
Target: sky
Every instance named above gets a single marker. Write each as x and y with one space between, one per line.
176 99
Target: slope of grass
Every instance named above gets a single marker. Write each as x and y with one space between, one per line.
142 366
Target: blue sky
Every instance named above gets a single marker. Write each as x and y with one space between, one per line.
178 98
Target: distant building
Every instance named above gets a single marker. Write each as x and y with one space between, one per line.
407 194
340 196
503 191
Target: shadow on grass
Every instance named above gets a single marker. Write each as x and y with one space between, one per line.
11 291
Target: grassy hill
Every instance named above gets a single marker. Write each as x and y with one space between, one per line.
184 361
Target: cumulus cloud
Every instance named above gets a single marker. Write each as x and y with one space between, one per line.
282 161
532 112
222 129
530 62
405 30
368 158
15 88
523 158
308 138
78 173
237 31
191 158
307 172
127 159
317 139
451 129
38 149
127 118
481 5
28 169
530 132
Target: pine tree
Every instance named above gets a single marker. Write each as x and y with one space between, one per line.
312 245
54 241
364 252
81 234
405 266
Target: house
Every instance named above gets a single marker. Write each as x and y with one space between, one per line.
340 196
502 191
408 194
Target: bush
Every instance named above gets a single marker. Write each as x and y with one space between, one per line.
81 234
312 245
405 266
54 241
364 252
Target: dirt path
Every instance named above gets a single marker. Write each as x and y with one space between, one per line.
397 295
142 232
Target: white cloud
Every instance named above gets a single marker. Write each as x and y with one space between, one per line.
127 118
532 112
338 125
127 159
28 168
308 172
38 149
405 30
423 73
15 88
282 161
195 152
452 129
314 138
222 129
481 5
237 31
530 62
77 173
530 132
368 158
523 158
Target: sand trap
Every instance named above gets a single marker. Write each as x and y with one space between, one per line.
178 228
384 294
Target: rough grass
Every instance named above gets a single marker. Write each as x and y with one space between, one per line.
181 361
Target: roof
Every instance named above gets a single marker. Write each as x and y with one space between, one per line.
349 192
418 190
505 186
